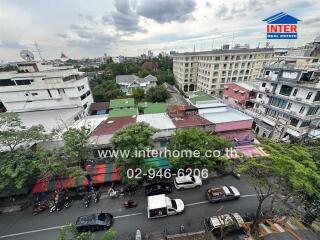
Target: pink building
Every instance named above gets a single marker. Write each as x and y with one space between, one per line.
238 95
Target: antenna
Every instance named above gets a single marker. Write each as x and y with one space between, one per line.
232 39
38 50
212 44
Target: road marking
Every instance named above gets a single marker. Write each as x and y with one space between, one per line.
116 217
198 203
58 227
33 231
128 215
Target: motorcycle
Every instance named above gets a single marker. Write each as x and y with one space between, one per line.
67 202
130 204
87 200
138 235
97 196
235 174
40 207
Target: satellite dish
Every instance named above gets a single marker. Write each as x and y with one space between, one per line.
27 55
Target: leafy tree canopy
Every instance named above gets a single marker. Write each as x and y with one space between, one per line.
157 94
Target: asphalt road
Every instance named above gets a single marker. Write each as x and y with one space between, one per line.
23 225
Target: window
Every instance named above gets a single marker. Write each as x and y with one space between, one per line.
302 109
260 95
49 93
34 94
263 84
309 95
289 106
305 124
295 92
79 89
294 122
285 90
24 82
317 97
312 110
6 82
277 102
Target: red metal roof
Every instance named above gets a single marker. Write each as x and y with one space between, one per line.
190 121
182 108
99 106
112 125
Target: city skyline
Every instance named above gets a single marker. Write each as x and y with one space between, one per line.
130 28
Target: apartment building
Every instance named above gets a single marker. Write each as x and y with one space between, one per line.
208 71
287 103
42 86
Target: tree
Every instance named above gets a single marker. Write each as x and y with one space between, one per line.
165 76
258 172
17 167
14 134
110 234
138 94
76 145
192 141
132 139
157 94
106 91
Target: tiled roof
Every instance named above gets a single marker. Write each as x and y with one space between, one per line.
190 121
99 106
111 125
121 103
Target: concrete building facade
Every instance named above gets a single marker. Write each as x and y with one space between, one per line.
208 71
41 86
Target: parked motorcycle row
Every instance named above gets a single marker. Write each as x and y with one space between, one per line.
62 200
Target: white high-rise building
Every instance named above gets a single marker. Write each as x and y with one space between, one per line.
41 86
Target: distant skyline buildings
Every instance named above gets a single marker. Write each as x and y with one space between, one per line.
129 28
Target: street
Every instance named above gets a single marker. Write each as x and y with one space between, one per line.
23 225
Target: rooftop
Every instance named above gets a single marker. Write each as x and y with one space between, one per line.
190 121
123 112
129 79
248 86
200 96
149 107
111 125
50 119
224 114
157 120
121 103
226 51
99 106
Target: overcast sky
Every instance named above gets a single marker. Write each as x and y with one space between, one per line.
89 28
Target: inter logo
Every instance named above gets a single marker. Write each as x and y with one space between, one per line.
282 26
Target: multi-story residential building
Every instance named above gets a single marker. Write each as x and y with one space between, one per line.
41 86
287 103
208 71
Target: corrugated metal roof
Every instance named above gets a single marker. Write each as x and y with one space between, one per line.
190 121
223 115
157 120
112 125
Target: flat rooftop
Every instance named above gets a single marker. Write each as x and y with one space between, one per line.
226 51
121 103
157 120
50 119
123 112
224 114
200 96
149 107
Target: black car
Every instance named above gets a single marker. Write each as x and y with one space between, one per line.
94 222
158 188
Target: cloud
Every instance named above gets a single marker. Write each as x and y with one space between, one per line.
312 21
11 44
123 18
163 11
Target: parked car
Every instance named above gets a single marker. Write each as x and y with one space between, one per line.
224 193
186 182
94 222
233 222
158 188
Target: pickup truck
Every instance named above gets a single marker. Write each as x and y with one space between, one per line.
232 221
224 193
162 206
